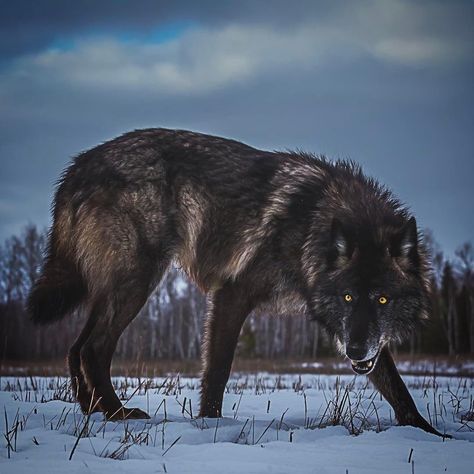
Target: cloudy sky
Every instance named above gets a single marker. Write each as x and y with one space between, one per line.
388 83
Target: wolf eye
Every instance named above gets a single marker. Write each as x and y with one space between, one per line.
383 300
347 298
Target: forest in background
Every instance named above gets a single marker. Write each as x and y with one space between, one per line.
170 324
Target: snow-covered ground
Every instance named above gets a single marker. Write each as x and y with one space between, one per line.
271 424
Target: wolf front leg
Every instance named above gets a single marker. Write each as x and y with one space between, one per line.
388 382
227 309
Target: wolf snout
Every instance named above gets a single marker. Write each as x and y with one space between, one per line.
363 359
356 352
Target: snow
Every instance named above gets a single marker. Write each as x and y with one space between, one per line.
272 423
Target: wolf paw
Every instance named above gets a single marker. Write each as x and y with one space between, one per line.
127 414
419 422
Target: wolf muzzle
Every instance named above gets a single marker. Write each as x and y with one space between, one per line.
361 362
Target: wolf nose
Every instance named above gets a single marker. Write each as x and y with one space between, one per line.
356 352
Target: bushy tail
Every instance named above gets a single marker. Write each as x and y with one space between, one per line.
57 292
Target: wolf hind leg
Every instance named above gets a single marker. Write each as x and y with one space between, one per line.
388 382
113 311
87 401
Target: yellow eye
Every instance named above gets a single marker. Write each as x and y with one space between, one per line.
347 298
383 300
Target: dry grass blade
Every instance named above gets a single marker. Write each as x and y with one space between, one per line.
265 430
172 444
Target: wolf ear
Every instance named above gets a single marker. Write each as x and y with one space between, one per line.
405 243
341 246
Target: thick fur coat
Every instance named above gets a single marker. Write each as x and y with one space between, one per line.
251 228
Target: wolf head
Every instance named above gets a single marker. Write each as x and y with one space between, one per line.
371 287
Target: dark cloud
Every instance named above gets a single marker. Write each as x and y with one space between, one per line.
27 26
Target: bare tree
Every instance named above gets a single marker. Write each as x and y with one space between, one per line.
465 269
448 291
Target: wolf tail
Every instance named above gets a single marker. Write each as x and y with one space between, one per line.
57 292
59 289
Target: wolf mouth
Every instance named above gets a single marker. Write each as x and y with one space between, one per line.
364 367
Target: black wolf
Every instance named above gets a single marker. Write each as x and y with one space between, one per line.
250 228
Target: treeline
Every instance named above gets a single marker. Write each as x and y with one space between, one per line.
170 325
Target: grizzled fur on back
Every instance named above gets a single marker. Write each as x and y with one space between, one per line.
251 228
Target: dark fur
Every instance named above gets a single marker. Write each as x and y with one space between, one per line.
250 228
